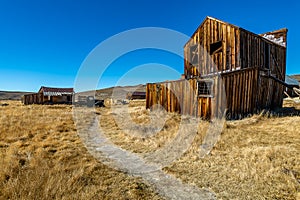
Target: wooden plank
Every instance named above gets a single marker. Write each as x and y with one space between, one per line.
243 95
237 92
255 88
203 107
234 104
224 45
237 48
226 80
205 49
246 108
168 97
221 92
208 62
181 96
176 97
171 97
147 95
200 107
233 56
214 107
194 98
228 48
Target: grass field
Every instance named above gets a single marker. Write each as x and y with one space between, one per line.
42 156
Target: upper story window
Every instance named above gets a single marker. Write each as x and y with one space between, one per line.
216 47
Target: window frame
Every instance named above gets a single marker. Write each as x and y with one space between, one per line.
194 48
209 88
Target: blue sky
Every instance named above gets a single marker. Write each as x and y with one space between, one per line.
44 42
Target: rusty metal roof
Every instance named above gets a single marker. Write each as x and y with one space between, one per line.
49 91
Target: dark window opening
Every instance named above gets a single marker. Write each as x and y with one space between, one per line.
216 47
267 56
194 55
205 88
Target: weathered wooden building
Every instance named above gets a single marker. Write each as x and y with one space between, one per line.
291 83
226 68
136 95
48 95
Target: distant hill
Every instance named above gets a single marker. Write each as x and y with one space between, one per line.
7 95
118 91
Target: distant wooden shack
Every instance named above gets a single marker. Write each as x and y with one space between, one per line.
226 68
48 95
136 95
291 83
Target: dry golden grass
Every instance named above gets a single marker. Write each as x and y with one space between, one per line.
43 158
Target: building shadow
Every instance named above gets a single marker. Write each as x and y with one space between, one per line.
287 111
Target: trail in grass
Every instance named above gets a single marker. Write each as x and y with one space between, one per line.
166 185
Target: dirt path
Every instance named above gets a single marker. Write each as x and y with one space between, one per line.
165 184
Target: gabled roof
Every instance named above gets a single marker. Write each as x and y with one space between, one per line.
269 36
208 17
203 22
49 91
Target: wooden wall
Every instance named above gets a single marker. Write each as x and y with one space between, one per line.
39 98
35 98
270 94
239 92
178 96
260 52
182 96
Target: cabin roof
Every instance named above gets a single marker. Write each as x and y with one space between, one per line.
50 91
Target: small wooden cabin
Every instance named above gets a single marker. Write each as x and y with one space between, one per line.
227 70
136 95
48 95
291 83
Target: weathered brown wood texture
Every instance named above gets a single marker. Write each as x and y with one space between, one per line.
241 87
240 49
55 97
178 96
234 92
35 98
212 31
247 66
